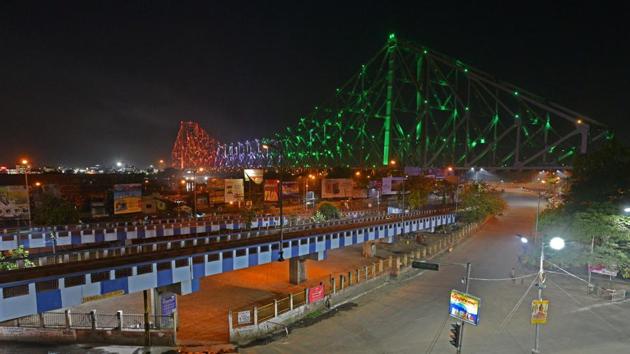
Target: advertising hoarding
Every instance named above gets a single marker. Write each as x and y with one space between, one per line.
271 190
601 269
336 188
13 203
290 190
253 174
392 185
464 307
127 198
216 191
234 190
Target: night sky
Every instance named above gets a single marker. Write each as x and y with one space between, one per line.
98 81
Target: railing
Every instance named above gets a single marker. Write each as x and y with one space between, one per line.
170 242
77 320
257 314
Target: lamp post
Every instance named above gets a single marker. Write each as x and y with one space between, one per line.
555 243
281 156
24 163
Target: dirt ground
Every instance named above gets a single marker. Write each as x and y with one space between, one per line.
203 314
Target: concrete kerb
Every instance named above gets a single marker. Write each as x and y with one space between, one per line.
354 289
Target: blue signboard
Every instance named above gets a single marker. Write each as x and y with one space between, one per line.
169 304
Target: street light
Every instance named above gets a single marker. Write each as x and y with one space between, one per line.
555 243
24 163
626 210
281 155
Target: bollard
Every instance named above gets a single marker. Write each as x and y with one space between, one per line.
67 317
256 310
380 265
373 270
349 278
275 308
93 319
342 282
119 320
366 272
332 285
390 261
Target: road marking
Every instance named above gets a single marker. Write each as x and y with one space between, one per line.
590 307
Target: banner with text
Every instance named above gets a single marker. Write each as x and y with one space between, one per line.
234 190
271 190
127 198
464 307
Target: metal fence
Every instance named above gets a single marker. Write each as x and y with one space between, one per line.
91 320
256 314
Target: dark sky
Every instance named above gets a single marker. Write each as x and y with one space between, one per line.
96 81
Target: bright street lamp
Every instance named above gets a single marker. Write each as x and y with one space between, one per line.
556 243
524 240
24 163
626 210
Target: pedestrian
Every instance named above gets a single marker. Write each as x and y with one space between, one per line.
513 275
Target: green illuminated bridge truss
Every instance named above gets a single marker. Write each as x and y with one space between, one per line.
422 108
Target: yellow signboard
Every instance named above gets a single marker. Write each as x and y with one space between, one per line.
540 311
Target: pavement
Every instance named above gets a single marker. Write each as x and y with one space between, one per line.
411 315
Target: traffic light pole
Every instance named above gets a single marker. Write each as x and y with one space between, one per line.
461 330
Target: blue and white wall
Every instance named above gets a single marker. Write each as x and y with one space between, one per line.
25 298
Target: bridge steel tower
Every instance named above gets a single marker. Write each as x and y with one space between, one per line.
423 108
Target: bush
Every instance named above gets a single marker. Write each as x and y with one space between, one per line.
329 211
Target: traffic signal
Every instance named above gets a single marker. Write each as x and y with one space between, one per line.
454 334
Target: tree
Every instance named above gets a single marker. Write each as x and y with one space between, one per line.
52 210
329 211
478 202
592 214
598 224
600 176
419 188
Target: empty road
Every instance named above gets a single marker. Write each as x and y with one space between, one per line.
411 316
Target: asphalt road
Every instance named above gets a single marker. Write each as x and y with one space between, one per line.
411 316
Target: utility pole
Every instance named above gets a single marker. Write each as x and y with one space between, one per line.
461 331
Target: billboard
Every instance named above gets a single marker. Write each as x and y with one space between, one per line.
254 174
464 307
127 198
271 190
216 191
290 190
392 185
234 190
601 269
336 188
13 203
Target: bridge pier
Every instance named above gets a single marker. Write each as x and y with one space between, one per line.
297 266
369 249
297 270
